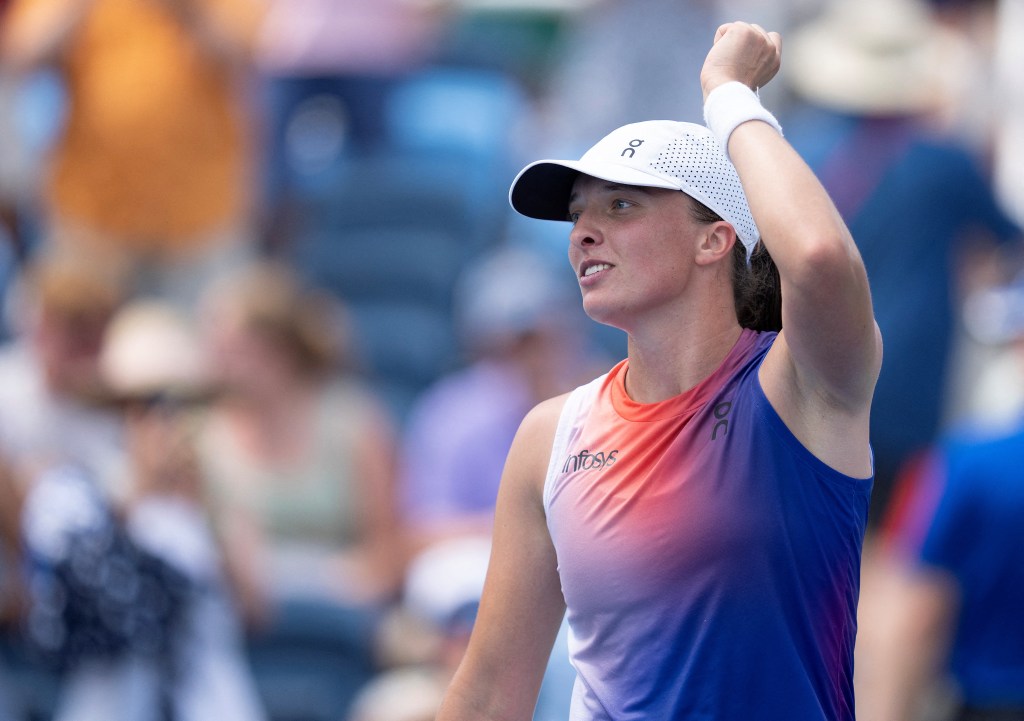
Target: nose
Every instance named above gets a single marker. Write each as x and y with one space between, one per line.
584 232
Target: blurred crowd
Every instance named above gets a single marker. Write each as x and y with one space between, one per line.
268 328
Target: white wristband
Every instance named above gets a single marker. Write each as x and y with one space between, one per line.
730 105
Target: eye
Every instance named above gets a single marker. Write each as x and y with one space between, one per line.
621 204
573 216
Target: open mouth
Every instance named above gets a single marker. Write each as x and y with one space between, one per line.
589 270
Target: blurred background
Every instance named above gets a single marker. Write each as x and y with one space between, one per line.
269 325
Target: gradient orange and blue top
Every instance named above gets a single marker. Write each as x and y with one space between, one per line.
709 562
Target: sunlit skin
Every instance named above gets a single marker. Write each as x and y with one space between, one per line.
668 280
640 233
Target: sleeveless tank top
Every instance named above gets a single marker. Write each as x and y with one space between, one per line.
710 563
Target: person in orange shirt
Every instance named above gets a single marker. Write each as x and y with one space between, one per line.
153 162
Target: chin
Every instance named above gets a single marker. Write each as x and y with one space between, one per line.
599 313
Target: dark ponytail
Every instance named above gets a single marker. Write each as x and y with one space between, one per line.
756 289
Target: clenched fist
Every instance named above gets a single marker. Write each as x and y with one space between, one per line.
744 52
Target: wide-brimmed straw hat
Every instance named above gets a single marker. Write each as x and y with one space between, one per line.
880 57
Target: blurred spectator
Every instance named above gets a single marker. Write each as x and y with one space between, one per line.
954 574
875 75
49 375
49 371
298 451
128 594
525 341
153 164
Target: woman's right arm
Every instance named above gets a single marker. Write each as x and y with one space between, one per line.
522 605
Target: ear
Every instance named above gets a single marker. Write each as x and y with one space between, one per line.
716 243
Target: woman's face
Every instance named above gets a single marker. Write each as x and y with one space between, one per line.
631 248
68 347
161 441
244 360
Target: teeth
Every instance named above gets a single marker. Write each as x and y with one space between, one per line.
595 268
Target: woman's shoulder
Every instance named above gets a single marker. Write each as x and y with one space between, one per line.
541 423
528 458
542 419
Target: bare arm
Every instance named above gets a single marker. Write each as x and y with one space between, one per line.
829 353
522 603
245 552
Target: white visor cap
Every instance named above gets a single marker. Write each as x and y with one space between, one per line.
652 154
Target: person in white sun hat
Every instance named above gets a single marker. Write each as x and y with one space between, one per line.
698 511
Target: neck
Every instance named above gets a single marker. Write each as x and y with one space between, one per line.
672 364
272 425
